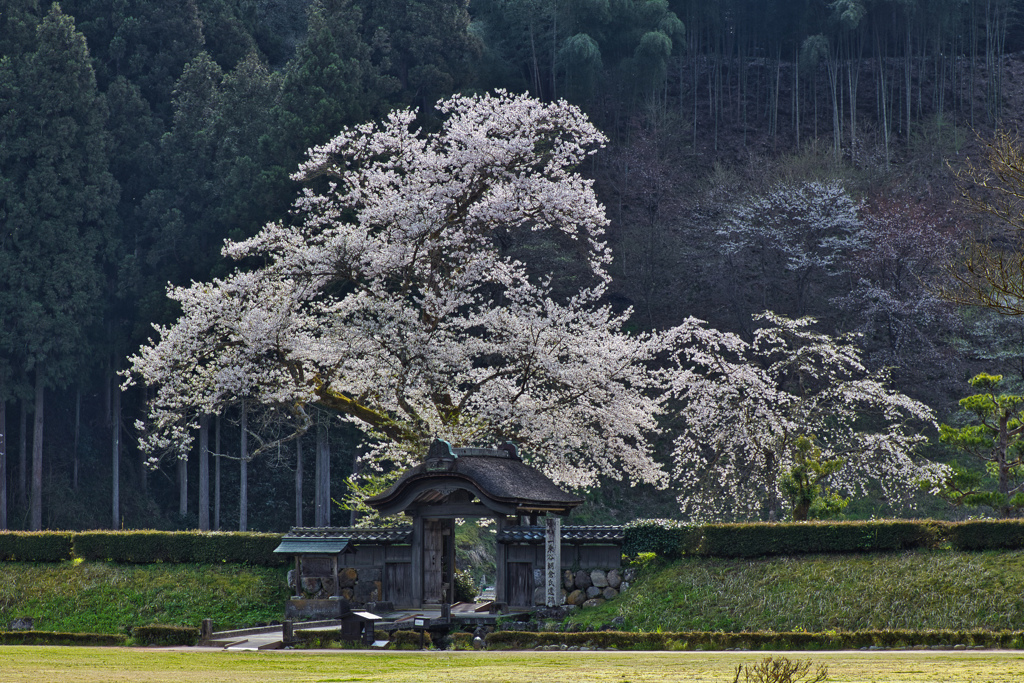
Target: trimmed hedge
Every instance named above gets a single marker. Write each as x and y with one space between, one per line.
672 540
35 546
146 547
1004 534
666 538
715 640
58 638
161 634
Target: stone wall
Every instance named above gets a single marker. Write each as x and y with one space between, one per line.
592 587
357 586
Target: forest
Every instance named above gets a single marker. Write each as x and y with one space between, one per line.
805 157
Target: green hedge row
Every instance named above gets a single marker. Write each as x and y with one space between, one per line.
672 540
142 547
161 634
35 546
58 638
145 547
713 640
665 538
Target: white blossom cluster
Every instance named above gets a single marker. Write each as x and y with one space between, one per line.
744 410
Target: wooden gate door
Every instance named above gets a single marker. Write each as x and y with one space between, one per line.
398 583
433 561
520 584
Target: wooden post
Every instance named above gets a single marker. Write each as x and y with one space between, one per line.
334 567
501 565
553 561
417 561
298 578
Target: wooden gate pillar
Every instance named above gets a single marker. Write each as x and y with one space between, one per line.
553 561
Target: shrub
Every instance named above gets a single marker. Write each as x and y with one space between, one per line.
410 640
161 634
59 638
671 540
664 537
35 546
989 534
465 587
764 640
460 640
145 547
780 670
762 538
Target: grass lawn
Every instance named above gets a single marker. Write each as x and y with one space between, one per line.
81 665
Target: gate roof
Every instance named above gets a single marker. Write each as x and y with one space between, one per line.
497 478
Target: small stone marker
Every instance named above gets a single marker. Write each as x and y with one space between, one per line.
23 624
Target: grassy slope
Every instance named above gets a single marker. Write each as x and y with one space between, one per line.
915 590
99 597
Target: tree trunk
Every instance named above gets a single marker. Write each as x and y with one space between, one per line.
298 482
772 482
3 458
204 472
78 429
23 454
115 459
216 473
182 488
243 481
36 522
323 475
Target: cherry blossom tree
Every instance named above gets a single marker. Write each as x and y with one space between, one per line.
746 409
391 298
783 240
389 301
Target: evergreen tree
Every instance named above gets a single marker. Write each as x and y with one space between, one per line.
57 206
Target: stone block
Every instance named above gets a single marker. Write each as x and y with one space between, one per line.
599 578
593 592
297 610
348 577
366 591
577 597
614 578
609 593
538 596
23 624
594 602
583 581
568 580
629 574
311 585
